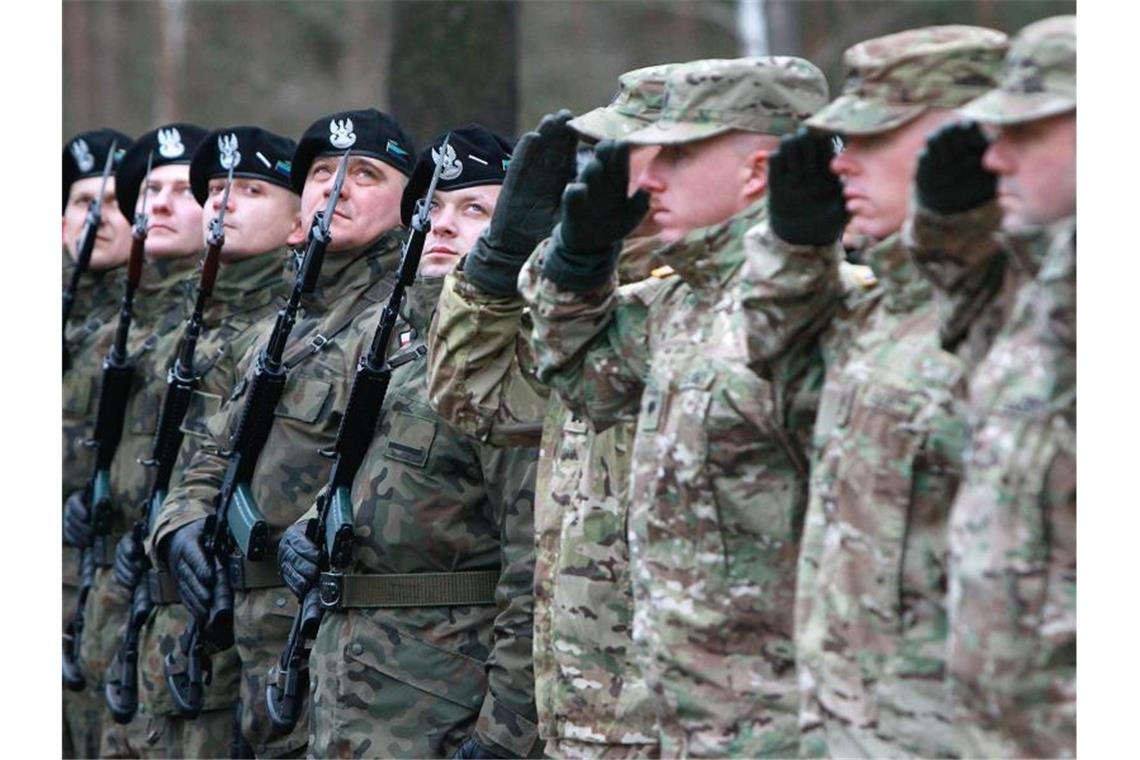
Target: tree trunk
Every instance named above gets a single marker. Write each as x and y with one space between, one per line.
172 61
453 63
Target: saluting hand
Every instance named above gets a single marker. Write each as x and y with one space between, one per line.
805 199
950 176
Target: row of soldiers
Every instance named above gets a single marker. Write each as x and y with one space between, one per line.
725 419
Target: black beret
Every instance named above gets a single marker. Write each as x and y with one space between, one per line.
475 156
170 144
368 132
254 152
85 154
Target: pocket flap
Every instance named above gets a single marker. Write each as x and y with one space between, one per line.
303 399
202 406
410 438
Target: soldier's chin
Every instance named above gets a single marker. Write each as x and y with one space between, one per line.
437 264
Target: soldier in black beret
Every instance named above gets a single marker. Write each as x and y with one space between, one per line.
358 272
96 302
173 242
262 211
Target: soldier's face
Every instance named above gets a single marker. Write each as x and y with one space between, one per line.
369 200
877 170
1036 164
697 184
260 216
112 236
458 218
175 217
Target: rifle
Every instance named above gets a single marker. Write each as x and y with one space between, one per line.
237 523
86 246
121 690
333 529
118 376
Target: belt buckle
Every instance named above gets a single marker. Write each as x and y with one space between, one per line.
318 342
331 587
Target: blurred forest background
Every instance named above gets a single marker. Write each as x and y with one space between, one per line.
436 64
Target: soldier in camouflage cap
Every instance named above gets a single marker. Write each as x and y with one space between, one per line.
716 482
591 697
1011 655
870 613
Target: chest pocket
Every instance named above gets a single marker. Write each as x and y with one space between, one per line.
144 417
202 407
303 400
77 396
410 438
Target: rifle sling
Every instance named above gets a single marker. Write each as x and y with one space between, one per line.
457 589
163 589
247 576
318 341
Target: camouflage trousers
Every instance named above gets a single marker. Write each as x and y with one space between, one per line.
371 699
262 618
573 749
169 734
82 710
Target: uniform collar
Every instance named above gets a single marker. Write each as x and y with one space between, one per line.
709 256
904 287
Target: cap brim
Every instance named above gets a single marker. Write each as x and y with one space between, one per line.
604 124
853 115
1003 107
675 132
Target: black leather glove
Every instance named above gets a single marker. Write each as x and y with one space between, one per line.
471 748
805 200
950 176
297 558
77 521
129 561
597 214
541 165
192 570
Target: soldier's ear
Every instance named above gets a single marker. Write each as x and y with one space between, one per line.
756 175
296 230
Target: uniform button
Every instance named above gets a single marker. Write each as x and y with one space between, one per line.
279 601
357 648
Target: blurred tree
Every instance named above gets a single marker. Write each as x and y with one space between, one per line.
172 61
454 62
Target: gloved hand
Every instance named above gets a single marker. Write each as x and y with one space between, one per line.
471 748
297 558
596 215
541 165
805 199
950 176
77 520
130 561
192 570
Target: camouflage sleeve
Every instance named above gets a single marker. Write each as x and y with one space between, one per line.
508 717
480 370
1013 589
952 249
593 347
787 292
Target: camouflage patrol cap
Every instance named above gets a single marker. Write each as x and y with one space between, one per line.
1039 77
896 78
641 93
769 95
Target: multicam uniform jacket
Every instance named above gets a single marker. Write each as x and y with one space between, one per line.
415 681
870 601
719 471
290 470
1013 573
246 292
590 694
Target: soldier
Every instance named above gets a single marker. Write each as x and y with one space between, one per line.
358 272
448 672
718 475
262 212
95 303
870 610
589 692
1011 656
174 237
